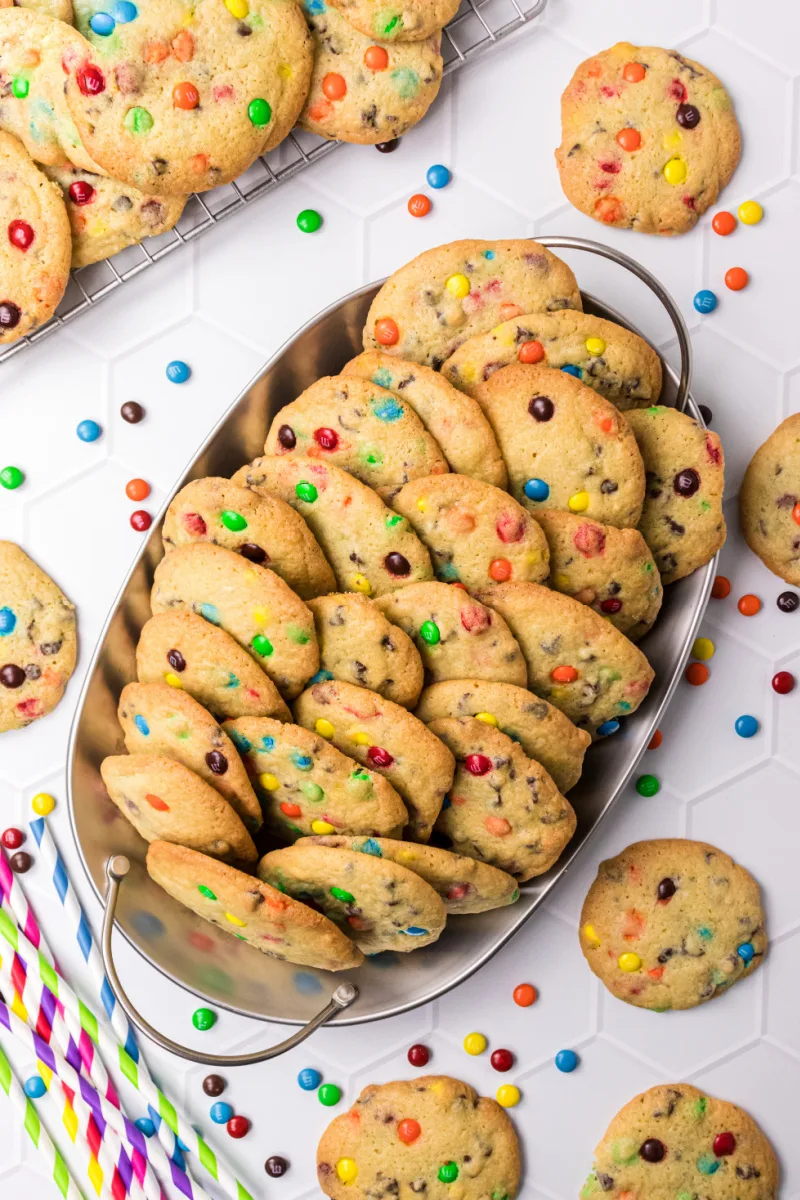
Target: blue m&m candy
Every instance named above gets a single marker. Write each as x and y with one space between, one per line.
537 489
145 1126
102 24
566 1061
88 431
746 952
571 369
608 727
178 371
124 12
438 176
34 1087
746 726
220 1113
705 301
309 1079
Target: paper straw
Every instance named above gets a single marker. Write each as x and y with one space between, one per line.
19 906
132 1065
26 1109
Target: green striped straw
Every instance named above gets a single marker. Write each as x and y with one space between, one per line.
60 1175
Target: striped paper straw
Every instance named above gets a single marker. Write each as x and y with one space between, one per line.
25 1107
18 904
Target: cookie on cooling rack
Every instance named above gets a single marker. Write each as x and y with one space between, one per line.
38 639
648 139
464 884
377 903
358 644
769 501
159 719
409 21
477 534
576 659
372 549
308 786
250 602
565 447
186 651
682 520
250 909
457 636
606 357
385 738
427 308
261 528
503 807
672 923
165 801
611 570
542 730
453 419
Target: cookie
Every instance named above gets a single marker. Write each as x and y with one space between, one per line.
576 659
361 92
307 786
427 308
609 359
565 447
250 909
385 738
105 215
38 639
175 107
35 49
464 884
410 21
372 549
360 428
457 637
682 520
35 244
611 570
377 903
61 10
674 1141
543 732
769 501
503 807
250 602
260 528
453 419
648 139
165 801
419 1137
476 534
186 651
357 644
672 923
159 719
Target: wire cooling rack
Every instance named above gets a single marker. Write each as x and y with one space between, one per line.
476 28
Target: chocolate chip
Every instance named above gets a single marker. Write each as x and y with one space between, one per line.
131 412
652 1150
686 482
687 116
176 660
243 30
286 437
541 408
152 212
33 671
253 552
666 889
608 486
50 647
12 676
216 762
122 204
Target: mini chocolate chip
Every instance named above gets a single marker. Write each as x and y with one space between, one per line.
397 564
666 889
122 204
217 762
541 408
12 676
686 482
286 437
160 166
33 671
253 552
652 1150
687 116
176 660
50 647
608 486
243 30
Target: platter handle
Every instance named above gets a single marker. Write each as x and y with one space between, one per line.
344 995
661 293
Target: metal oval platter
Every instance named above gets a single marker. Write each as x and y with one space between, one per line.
196 954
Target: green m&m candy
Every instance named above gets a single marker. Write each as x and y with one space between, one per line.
329 1094
306 491
340 894
233 521
137 120
262 645
309 220
20 87
429 632
259 112
11 478
204 1019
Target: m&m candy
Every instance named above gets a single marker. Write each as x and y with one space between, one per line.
783 682
11 478
502 1060
238 1127
746 726
178 371
88 431
697 674
703 648
475 1043
788 602
35 1087
276 1166
438 176
723 223
736 278
418 1055
137 489
508 1096
647 785
705 301
204 1018
524 995
132 412
220 1113
12 838
43 804
720 588
309 220
419 205
566 1061
750 212
309 1079
749 605
329 1094
141 520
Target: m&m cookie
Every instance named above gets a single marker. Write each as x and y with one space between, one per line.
411 21
769 501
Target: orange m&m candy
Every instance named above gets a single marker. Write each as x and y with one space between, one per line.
655 740
629 139
749 605
409 1130
633 72
530 352
419 205
376 58
500 570
185 95
736 279
721 587
723 223
137 489
796 514
524 995
608 209
334 86
696 674
564 674
386 332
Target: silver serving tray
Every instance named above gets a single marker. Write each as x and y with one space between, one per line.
217 967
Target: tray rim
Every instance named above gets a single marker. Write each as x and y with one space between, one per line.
349 1018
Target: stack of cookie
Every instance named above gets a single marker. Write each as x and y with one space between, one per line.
451 638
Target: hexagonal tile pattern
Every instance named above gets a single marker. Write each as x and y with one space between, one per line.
225 305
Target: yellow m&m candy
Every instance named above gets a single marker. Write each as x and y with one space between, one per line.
269 782
475 1043
751 212
579 502
595 345
629 962
675 171
43 803
347 1170
508 1096
486 717
458 286
590 933
324 728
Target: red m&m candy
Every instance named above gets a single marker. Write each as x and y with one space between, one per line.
12 838
418 1055
91 81
81 192
724 1144
141 520
20 234
238 1127
502 1060
326 439
478 764
783 682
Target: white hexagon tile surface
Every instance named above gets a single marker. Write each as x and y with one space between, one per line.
224 306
